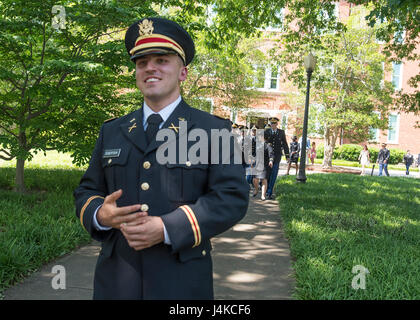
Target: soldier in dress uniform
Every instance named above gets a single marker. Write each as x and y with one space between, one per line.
277 139
155 220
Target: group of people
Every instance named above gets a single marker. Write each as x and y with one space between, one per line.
383 160
261 172
295 148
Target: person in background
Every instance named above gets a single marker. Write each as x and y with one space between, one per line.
313 153
250 168
364 158
308 148
383 159
294 155
263 166
408 161
277 140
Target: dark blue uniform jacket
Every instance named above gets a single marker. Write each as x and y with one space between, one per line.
195 201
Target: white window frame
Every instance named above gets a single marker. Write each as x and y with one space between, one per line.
376 138
267 78
271 78
397 129
400 76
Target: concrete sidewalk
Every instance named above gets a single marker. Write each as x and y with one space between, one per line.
250 261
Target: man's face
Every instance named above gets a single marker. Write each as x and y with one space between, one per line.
158 77
274 126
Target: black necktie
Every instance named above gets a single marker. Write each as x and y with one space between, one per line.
153 122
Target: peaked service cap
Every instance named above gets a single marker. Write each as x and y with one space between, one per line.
158 36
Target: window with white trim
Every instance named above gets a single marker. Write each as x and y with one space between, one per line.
374 132
397 75
266 77
274 78
393 128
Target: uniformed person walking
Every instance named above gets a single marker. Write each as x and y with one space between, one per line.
277 139
154 220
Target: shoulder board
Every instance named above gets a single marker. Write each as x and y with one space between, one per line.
220 117
110 119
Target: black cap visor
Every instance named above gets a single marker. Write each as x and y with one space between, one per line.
161 51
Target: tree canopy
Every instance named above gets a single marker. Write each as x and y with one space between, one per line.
64 69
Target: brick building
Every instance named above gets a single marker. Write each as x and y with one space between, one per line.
276 96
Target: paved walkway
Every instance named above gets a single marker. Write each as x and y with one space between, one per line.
250 261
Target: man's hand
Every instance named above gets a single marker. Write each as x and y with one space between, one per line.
109 215
143 232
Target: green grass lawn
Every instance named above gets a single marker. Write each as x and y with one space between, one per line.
337 221
41 225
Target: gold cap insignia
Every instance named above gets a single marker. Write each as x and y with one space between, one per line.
146 27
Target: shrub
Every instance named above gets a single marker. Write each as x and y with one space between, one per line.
351 152
348 152
320 151
396 156
373 154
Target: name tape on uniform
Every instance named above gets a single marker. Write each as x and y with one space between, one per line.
111 153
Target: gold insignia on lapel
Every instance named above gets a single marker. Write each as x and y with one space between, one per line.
172 126
181 119
134 119
146 27
132 127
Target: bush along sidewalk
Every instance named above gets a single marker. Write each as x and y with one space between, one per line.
38 226
351 152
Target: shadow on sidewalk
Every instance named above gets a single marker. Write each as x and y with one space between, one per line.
252 260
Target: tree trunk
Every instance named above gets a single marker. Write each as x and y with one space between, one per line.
20 179
330 138
328 154
20 164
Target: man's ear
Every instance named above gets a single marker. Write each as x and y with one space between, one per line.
183 74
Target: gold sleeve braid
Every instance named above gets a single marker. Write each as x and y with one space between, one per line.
82 212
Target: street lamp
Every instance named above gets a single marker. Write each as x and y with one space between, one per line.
309 62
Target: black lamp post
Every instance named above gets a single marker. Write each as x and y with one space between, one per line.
309 62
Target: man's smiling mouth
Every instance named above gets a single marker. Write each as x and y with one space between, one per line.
152 80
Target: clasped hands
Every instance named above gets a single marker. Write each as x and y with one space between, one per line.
140 230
